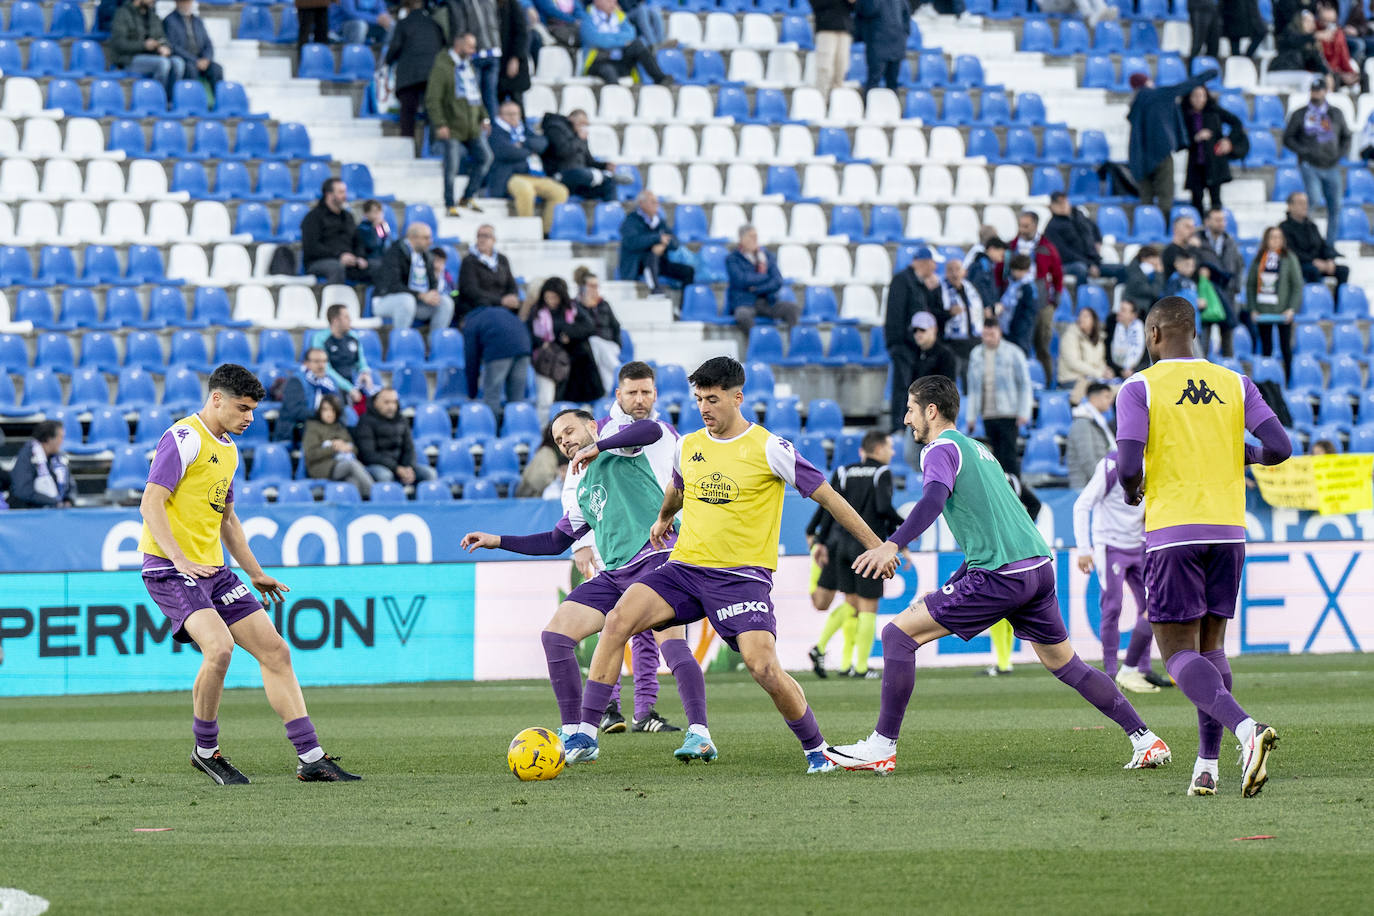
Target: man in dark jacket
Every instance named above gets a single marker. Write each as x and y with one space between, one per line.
512 145
1157 132
329 238
915 288
754 284
407 288
482 20
1314 253
40 479
983 263
1319 137
302 395
138 44
933 356
497 351
570 161
190 42
418 39
1214 237
1145 278
517 47
883 26
484 277
385 444
646 237
453 102
1078 241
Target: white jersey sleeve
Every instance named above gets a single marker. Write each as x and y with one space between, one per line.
1084 506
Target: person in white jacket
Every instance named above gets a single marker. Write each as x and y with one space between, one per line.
1114 544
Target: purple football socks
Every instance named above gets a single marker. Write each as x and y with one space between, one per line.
899 680
644 659
1102 692
1203 684
1209 729
206 732
691 683
565 677
302 734
807 731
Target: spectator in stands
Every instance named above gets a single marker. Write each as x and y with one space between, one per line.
385 444
1047 272
1241 19
1359 32
1180 243
1090 436
646 238
1144 279
963 303
933 357
556 320
458 118
1021 305
313 16
1316 255
374 235
40 478
561 17
915 288
344 351
983 263
496 347
484 277
834 38
613 49
754 284
138 44
1297 45
1223 247
1204 16
1318 135
1365 144
1082 354
647 19
1273 288
605 341
1157 131
515 54
407 289
883 26
1183 279
303 393
362 21
541 469
1217 137
481 20
1078 241
1126 354
329 238
446 286
511 148
570 161
1335 49
416 41
328 450
190 42
1092 11
999 393
1323 447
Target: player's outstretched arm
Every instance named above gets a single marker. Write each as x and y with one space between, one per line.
883 564
231 532
154 510
543 544
672 505
636 435
872 562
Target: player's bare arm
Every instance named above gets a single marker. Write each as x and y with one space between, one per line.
584 457
231 531
672 505
826 496
154 510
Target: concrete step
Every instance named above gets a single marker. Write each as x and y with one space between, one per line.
264 69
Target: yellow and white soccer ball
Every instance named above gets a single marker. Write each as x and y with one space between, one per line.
536 753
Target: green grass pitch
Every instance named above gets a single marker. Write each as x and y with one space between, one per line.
1008 797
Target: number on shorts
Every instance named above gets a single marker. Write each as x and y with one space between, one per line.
190 581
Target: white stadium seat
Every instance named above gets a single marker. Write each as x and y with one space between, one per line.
742 183
22 97
896 185
210 222
794 263
124 223
820 182
603 142
639 144
187 262
555 66
722 32
1009 184
703 182
254 303
230 265
808 224
104 180
860 184
42 138
758 31
718 143
6 225
870 143
61 180
664 180
86 140
296 307
807 105
575 97
846 107
784 68
971 184
771 223
540 100
946 145
694 105
679 143
795 144
18 179
833 265
909 146
961 225
745 67
859 303
923 222
935 184
756 144
872 264
167 221
147 180
685 28
726 220
617 105
1002 218
655 104
80 221
37 223
883 106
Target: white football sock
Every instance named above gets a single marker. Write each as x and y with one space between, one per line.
1203 765
1144 741
310 756
882 741
701 730
587 728
206 753
1245 731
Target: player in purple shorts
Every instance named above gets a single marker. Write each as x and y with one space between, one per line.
1007 574
1184 421
1114 544
728 480
617 497
188 520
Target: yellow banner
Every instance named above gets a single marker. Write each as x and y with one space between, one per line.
1326 484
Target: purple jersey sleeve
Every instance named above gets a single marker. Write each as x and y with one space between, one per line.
167 469
229 497
1133 411
1256 409
635 435
940 463
543 544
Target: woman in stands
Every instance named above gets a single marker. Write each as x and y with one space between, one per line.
556 319
328 448
1218 136
1273 290
1082 354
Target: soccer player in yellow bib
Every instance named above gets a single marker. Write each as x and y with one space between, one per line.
1181 440
188 520
728 481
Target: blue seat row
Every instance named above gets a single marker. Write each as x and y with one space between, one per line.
26 20
147 99
1109 37
317 63
46 58
210 140
805 347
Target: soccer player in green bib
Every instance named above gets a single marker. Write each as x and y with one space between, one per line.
1007 573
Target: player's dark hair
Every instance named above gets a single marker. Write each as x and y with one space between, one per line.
333 401
872 439
334 311
579 412
47 430
635 370
938 390
237 382
1020 262
1174 315
720 372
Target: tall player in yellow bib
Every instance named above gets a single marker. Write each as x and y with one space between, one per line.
188 519
1181 429
728 481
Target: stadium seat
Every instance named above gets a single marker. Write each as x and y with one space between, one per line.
209 140
272 466
54 352
143 350
182 385
231 347
1347 374
316 62
293 142
188 100
1352 302
475 420
98 351
26 19
811 446
1307 375
783 417
1316 303
128 469
275 348
1098 72
1310 339
1053 412
1042 456
1108 39
825 417
500 463
431 425
1037 38
479 488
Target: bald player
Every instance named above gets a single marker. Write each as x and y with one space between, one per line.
1184 420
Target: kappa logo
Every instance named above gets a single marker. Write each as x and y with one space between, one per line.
1198 394
743 607
214 459
697 457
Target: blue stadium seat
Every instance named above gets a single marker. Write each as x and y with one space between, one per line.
1347 340
1346 374
1169 70
148 99
79 308
1098 72
731 102
783 418
67 20
316 62
275 348
480 488
848 221
920 105
189 100
272 466
1042 456
128 469
1045 180
758 383
500 463
1335 408
233 346
673 389
107 99
109 431
232 181
475 420
190 177
1354 224
231 101
135 390
1263 149
1287 180
765 344
182 385
1093 297
57 266
607 219
968 71
708 68
98 351
247 495
406 347
804 348
858 67
209 140
1300 409
339 493
1307 376
1030 109
958 108
825 417
1084 184
289 222
770 106
11 59
143 350
445 348
254 220
1073 38
877 348
66 95
288 27
1359 187
1093 147
797 30
292 492
833 141
251 141
415 213
1149 225
818 304
1020 145
885 225
26 19
1036 37
1310 339
455 464
1144 37
711 263
1352 302
569 224
274 183
811 446
431 425
1056 145
411 385
1316 303
358 63
169 140
127 137
933 71
1053 412
293 141
673 62
993 107
42 392
35 306
1108 39
783 179
255 23
1269 112
520 423
433 491
54 352
690 223
168 307
1362 439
